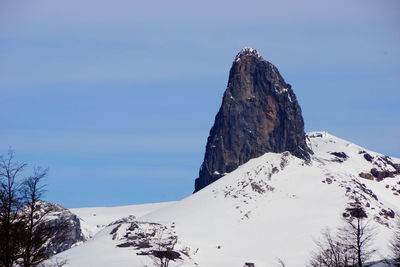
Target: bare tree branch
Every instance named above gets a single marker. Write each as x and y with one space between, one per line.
395 244
350 246
23 228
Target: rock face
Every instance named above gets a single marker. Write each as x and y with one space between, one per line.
259 114
65 227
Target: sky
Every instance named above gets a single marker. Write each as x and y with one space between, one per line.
117 98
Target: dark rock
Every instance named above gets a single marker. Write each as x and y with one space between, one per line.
366 175
385 167
388 213
257 188
315 135
115 229
368 157
167 254
381 174
388 161
357 212
143 244
144 253
397 167
275 170
340 155
259 114
366 190
126 245
133 226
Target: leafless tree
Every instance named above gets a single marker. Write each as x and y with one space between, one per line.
330 253
350 246
395 244
11 202
35 235
22 228
165 252
357 237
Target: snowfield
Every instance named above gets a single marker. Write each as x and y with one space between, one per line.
96 218
272 207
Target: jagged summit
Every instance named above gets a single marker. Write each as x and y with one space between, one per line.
259 114
248 51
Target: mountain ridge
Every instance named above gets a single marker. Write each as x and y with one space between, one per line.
271 202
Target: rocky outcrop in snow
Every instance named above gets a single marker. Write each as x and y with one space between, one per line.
259 114
66 227
154 240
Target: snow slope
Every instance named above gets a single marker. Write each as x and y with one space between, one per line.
94 219
272 207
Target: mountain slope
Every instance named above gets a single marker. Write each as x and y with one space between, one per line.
270 207
95 219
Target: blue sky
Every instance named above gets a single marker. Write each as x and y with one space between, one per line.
117 97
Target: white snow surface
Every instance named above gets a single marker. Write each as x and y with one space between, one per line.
271 207
94 219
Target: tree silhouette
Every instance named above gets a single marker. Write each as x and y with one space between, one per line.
23 228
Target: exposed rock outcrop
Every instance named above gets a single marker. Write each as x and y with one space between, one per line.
384 166
259 114
65 227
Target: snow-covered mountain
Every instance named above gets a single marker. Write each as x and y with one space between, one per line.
271 207
265 190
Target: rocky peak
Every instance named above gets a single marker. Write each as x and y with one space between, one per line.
259 114
246 52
